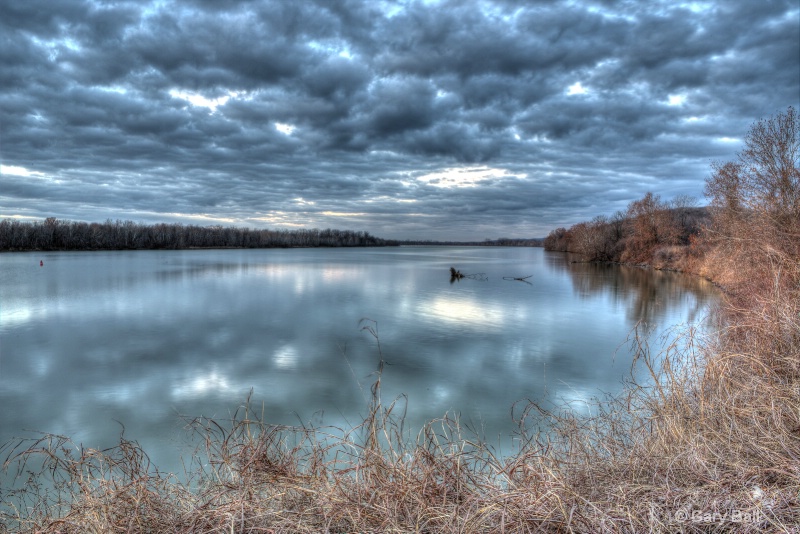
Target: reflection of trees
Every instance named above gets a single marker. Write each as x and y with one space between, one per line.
647 294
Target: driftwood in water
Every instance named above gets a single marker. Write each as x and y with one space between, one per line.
520 278
455 274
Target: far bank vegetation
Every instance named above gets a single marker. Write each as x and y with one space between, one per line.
651 231
55 234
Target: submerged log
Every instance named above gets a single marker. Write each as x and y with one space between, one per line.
523 279
455 274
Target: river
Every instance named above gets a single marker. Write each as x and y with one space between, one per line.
92 343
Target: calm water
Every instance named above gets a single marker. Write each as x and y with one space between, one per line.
93 341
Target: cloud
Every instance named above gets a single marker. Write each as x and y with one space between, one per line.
149 110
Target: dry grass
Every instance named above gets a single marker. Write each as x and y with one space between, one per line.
708 442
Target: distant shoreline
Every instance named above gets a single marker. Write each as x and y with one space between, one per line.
54 235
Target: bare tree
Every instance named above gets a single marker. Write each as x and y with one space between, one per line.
758 196
756 227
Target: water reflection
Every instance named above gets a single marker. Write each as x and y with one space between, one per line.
648 295
93 341
464 311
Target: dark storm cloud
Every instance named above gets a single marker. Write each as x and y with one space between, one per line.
426 119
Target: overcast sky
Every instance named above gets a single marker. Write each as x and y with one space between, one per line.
457 120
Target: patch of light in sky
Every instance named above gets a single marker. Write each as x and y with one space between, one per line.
282 218
728 139
114 89
576 89
331 47
52 52
607 14
464 176
19 217
390 9
697 7
676 100
72 44
729 55
792 15
637 90
154 8
789 16
388 153
18 171
201 216
344 214
201 101
284 128
386 198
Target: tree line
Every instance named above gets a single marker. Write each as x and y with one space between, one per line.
55 234
649 228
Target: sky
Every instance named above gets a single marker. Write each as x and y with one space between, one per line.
443 120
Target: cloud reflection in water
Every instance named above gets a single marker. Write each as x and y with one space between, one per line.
142 337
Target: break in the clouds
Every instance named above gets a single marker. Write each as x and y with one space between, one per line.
410 119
